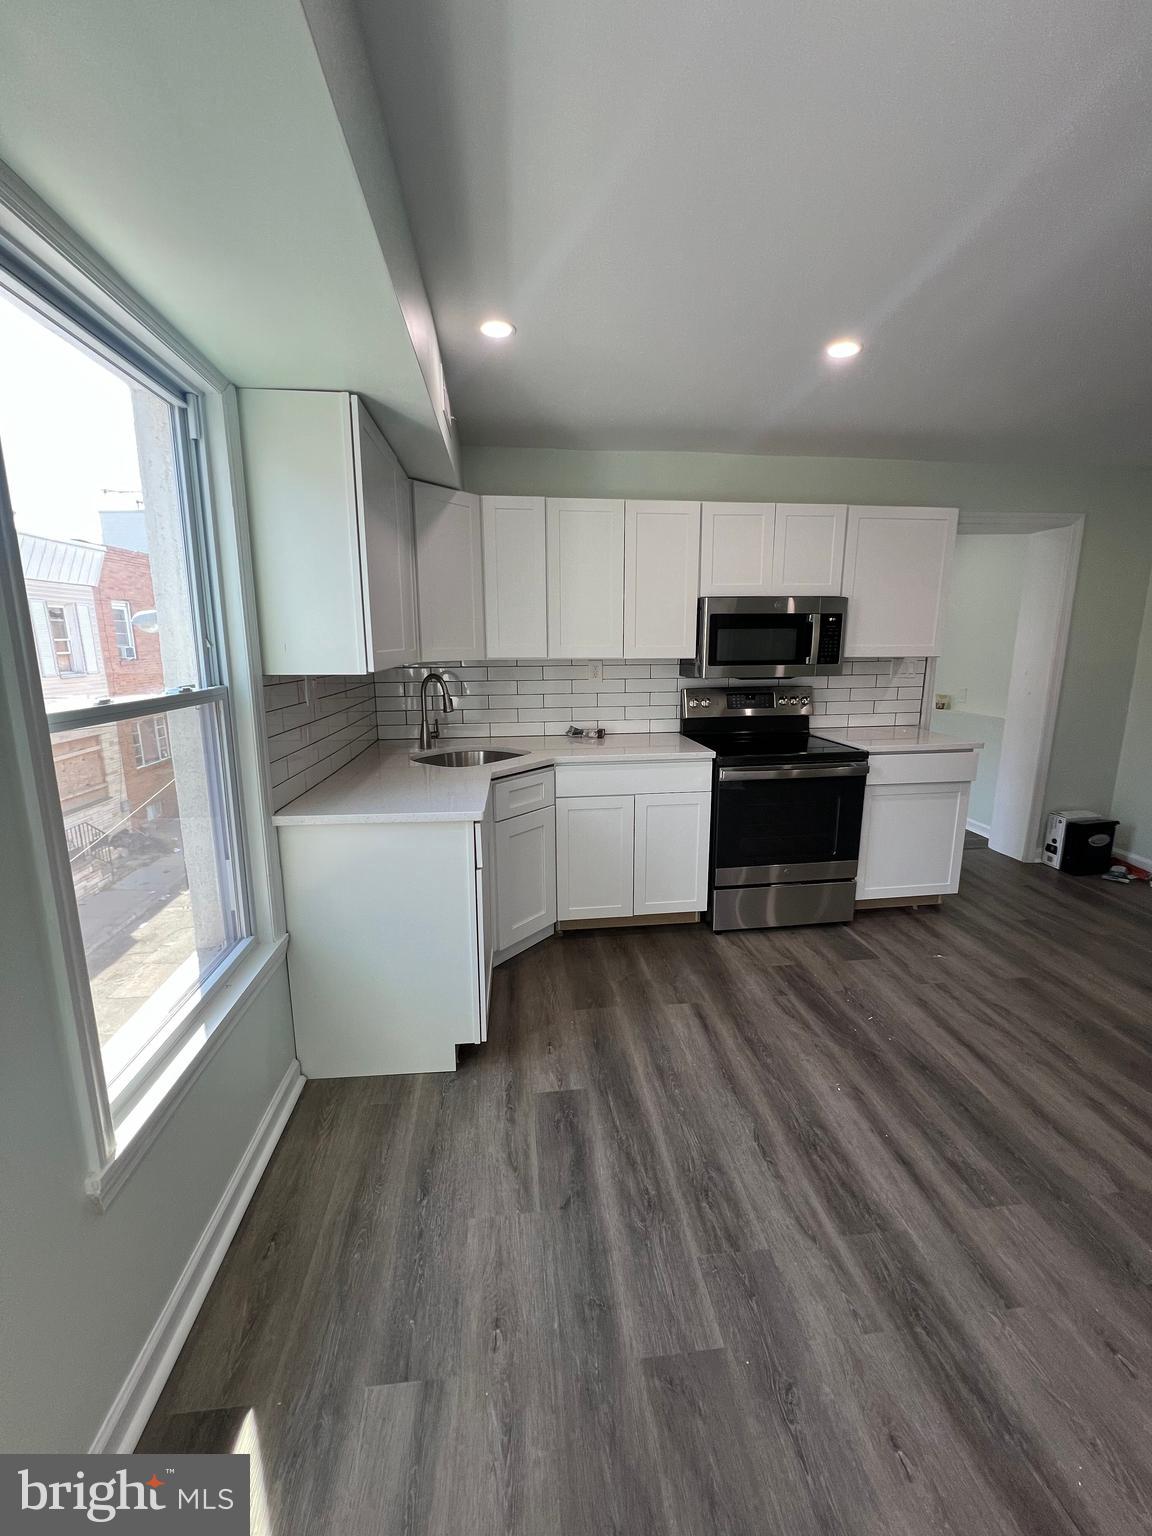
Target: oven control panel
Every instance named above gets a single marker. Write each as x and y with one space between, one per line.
715 703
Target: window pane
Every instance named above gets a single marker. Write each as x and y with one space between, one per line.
93 475
154 884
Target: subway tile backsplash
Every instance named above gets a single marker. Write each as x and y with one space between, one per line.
314 726
537 697
317 724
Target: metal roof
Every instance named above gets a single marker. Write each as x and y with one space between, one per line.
73 562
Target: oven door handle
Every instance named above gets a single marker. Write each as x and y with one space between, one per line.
832 771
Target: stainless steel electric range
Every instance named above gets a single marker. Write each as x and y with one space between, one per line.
786 808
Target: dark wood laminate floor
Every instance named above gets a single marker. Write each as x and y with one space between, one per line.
839 1230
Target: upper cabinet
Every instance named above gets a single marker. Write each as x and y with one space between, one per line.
449 573
766 549
387 550
331 518
808 549
585 577
661 577
896 564
736 546
515 576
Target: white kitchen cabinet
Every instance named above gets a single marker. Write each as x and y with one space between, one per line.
515 575
912 837
896 563
808 549
331 521
392 926
661 577
486 919
670 853
736 549
585 577
525 856
594 856
387 548
449 573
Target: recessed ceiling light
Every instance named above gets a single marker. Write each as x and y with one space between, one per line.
846 346
497 330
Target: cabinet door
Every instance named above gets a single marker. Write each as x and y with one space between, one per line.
449 573
912 840
661 577
302 509
525 857
386 547
896 564
585 578
594 863
808 549
736 539
671 852
515 576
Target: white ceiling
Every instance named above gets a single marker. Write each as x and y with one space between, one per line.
222 159
680 201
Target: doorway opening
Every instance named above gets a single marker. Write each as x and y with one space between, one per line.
1001 663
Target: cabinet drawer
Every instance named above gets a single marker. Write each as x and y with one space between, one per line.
632 778
921 768
522 792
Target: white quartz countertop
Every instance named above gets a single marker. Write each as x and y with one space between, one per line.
385 784
896 738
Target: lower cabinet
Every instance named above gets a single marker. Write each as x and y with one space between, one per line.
392 927
631 855
912 837
670 853
594 856
525 857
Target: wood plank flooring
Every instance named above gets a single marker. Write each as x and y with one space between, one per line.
818 1232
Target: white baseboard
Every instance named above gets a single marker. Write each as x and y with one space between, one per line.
136 1399
1134 858
981 828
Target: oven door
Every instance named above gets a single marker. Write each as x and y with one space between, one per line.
756 637
787 824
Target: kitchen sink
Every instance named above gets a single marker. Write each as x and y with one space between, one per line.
465 757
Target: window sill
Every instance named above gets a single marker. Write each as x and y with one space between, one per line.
221 1012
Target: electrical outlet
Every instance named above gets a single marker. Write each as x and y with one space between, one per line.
595 671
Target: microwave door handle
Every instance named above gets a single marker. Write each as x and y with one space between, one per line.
831 771
816 620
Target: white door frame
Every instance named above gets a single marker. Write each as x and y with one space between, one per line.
1038 658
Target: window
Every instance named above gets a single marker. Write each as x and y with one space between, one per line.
122 630
117 563
150 741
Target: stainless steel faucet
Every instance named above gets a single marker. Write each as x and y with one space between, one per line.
430 731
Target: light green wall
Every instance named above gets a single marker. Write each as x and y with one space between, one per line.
1133 802
1115 561
981 608
79 1289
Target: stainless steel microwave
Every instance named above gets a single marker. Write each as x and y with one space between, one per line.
767 637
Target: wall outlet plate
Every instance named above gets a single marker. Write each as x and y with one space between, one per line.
595 671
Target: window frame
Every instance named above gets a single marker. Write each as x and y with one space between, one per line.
119 1120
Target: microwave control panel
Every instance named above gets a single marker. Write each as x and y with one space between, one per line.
831 645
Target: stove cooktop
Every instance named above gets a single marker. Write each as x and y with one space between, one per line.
760 749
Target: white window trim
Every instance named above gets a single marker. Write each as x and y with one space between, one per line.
119 605
35 236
